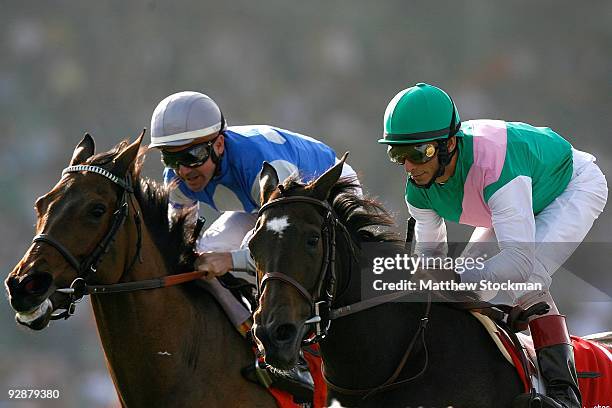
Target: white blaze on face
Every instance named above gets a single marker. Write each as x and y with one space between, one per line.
278 225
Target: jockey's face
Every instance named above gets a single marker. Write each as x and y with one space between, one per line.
197 178
422 173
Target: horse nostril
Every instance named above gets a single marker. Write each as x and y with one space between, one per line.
11 284
285 333
37 284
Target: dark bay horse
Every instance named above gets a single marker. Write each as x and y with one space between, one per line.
451 363
164 347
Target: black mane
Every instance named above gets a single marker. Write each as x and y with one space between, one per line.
365 218
175 242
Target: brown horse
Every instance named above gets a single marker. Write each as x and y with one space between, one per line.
164 347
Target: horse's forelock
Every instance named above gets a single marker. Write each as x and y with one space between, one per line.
291 186
101 159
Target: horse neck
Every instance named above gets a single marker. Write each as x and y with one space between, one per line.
386 331
363 350
386 327
121 315
166 335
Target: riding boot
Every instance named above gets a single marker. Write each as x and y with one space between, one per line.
297 381
556 361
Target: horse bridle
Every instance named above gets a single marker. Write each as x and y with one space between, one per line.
321 302
325 287
88 266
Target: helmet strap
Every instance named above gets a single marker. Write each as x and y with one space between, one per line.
216 159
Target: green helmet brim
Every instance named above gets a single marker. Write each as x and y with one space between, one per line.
411 141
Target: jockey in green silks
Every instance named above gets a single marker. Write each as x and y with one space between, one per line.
522 187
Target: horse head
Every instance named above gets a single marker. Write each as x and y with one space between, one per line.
77 221
289 248
305 244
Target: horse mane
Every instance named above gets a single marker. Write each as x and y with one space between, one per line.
176 242
365 218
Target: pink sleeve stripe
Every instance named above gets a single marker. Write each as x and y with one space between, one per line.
489 146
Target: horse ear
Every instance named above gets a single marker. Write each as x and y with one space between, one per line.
84 150
126 158
323 185
268 181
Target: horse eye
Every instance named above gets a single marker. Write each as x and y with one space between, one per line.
313 241
98 210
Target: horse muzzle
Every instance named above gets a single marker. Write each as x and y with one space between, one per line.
280 343
29 297
38 318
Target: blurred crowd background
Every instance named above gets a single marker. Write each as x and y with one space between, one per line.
323 68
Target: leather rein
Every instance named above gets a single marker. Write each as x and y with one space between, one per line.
325 292
88 266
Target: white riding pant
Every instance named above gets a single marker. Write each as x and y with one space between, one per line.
560 227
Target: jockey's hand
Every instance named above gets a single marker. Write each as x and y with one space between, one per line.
214 263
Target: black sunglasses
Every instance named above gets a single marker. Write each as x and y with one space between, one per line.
194 156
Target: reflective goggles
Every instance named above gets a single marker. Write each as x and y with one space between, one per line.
414 153
193 156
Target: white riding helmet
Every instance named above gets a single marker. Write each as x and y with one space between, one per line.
184 116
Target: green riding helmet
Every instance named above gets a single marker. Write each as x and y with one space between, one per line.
421 113
416 116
